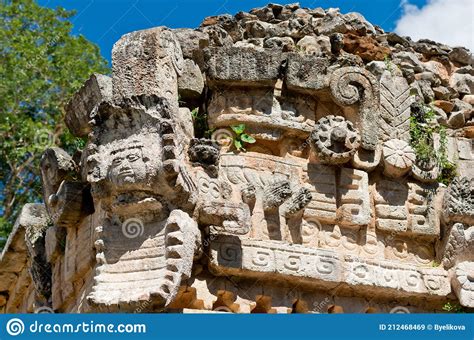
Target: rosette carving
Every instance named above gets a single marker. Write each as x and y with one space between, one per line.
335 139
398 157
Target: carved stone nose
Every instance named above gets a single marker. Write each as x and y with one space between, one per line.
338 134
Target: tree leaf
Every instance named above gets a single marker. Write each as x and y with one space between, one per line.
238 129
42 65
247 139
238 144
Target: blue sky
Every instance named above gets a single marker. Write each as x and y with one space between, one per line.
105 21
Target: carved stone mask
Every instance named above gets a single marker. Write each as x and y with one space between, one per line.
128 166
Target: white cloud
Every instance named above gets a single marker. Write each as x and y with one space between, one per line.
450 22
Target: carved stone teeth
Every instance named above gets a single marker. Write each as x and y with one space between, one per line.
299 201
248 194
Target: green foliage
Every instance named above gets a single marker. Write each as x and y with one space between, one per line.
388 63
453 308
447 168
42 64
241 138
201 127
298 49
421 134
422 130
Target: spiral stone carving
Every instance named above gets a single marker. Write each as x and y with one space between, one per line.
351 85
335 139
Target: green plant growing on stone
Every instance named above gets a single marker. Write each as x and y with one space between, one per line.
447 168
388 63
453 308
241 138
422 130
201 126
298 49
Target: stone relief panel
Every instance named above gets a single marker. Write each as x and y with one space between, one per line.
390 198
395 102
324 267
407 207
353 194
366 93
331 193
68 200
139 182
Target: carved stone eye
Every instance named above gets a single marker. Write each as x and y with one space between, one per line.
214 190
204 185
117 161
133 157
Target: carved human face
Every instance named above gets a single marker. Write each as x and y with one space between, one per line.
128 166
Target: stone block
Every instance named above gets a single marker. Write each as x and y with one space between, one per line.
230 256
354 198
191 41
84 250
466 168
395 102
404 278
55 240
81 108
323 205
243 67
463 285
57 285
424 212
191 82
390 210
72 248
306 74
147 62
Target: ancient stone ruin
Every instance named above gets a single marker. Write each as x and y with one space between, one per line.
265 162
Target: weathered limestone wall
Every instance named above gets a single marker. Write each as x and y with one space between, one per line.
323 204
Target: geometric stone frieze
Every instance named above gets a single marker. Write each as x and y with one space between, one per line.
246 258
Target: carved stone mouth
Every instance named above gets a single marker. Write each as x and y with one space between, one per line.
125 174
126 203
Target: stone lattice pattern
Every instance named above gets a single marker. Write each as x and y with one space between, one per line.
328 211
